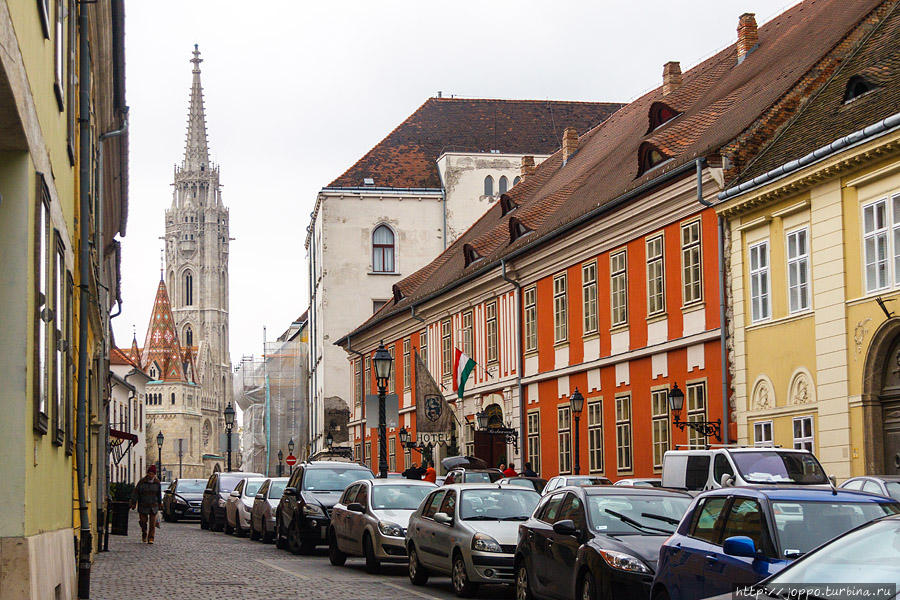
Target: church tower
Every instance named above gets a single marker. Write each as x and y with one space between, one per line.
196 257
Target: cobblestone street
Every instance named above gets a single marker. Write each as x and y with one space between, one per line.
187 562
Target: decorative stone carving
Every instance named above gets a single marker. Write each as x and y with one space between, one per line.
801 390
763 395
860 332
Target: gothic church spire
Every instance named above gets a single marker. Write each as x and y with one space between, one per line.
196 150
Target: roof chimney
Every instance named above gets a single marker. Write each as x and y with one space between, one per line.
748 39
569 143
671 77
527 166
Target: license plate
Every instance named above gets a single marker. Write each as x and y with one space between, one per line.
324 531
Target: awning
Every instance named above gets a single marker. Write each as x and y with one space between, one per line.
123 435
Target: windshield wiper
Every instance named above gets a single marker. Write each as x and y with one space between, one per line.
637 525
662 518
518 518
480 518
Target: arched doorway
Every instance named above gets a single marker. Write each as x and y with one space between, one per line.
491 447
881 401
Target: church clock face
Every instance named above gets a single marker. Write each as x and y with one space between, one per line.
207 432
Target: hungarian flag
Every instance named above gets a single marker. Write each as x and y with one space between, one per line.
462 367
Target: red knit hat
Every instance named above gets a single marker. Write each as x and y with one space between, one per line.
152 469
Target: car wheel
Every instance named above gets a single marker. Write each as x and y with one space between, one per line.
226 526
307 547
588 589
264 534
279 540
203 523
418 575
253 535
373 565
523 590
459 577
293 538
335 555
215 524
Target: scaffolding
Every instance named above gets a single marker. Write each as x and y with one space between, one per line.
271 390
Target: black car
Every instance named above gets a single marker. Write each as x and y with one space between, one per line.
596 542
218 487
304 513
182 499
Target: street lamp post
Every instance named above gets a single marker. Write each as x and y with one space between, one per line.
280 458
704 428
383 363
291 453
577 404
229 423
160 438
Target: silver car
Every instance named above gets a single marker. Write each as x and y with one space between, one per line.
262 515
239 503
468 531
370 520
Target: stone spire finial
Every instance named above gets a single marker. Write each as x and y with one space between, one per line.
196 151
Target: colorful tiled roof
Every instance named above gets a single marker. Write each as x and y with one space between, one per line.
407 157
162 346
118 357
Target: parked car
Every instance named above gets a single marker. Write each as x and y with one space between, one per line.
561 481
532 483
239 504
885 485
739 536
468 531
262 515
704 469
304 512
596 542
182 499
218 489
868 554
370 520
640 482
469 475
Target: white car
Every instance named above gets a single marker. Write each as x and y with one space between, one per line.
239 505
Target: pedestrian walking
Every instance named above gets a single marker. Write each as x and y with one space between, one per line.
529 472
430 473
147 498
414 472
510 471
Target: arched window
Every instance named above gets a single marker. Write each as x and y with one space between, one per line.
488 186
383 249
504 184
649 156
661 113
856 87
516 180
188 337
188 293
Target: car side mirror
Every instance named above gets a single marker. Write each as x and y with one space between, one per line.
235 494
739 545
565 527
727 480
207 491
356 507
290 491
443 518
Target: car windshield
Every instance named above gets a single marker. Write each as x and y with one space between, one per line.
398 497
779 467
276 489
190 486
586 481
505 504
227 484
893 489
525 483
481 476
868 555
643 514
793 520
332 480
252 487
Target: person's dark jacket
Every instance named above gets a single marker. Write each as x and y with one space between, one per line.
147 495
529 473
414 473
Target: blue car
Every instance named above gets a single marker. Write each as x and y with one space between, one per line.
739 536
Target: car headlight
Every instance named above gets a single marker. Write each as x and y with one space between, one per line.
391 529
313 510
221 503
180 500
624 562
485 543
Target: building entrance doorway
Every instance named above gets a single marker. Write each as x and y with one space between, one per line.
881 401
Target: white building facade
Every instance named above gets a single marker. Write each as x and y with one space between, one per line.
128 393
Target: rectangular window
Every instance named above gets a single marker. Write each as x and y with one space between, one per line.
467 335
423 345
59 342
760 309
357 397
407 458
391 386
803 434
446 349
762 433
875 243
367 376
367 459
660 415
695 400
377 304
490 332
392 454
560 309
692 281
618 288
623 433
656 296
798 270
595 436
406 365
530 297
42 315
470 439
534 440
70 362
59 53
564 429
589 295
357 449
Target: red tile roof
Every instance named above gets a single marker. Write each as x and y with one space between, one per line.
118 357
406 157
720 100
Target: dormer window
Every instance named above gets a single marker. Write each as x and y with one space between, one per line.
506 205
660 114
857 86
470 254
649 157
517 229
398 295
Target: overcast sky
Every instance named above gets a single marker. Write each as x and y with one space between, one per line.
296 92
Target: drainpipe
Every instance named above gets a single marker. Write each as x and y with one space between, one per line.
99 243
84 175
523 434
362 384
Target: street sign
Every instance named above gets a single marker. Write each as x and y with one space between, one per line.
235 443
391 410
291 460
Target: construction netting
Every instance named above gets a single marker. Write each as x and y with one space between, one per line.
271 390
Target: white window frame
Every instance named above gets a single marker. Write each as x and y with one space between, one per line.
618 287
534 440
659 414
564 437
624 444
407 379
392 454
807 438
761 277
468 333
880 232
529 296
799 288
696 401
760 429
589 296
491 338
595 435
446 348
656 269
560 308
691 262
